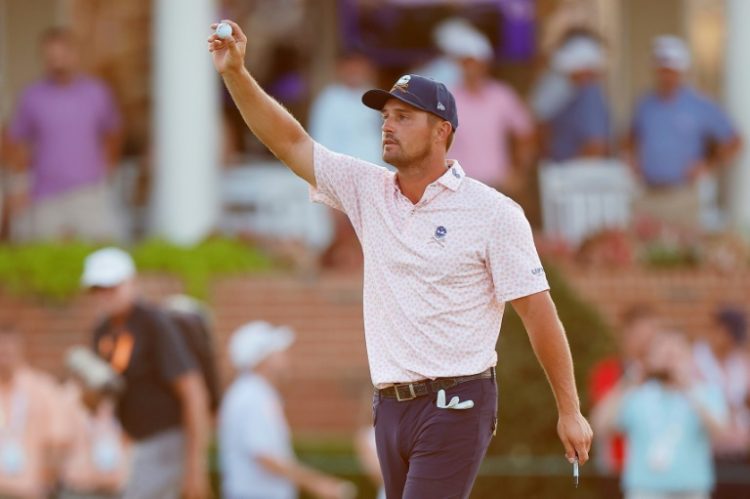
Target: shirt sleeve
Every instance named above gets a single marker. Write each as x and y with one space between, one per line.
627 413
110 119
714 401
512 257
718 125
174 357
636 126
343 182
518 117
22 125
595 122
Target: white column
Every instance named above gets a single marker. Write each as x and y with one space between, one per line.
186 122
737 78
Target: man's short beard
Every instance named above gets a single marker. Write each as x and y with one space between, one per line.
402 163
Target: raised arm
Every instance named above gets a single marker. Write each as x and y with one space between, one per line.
265 117
550 345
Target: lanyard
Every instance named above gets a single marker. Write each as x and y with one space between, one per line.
13 420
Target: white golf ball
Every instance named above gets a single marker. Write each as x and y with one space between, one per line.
224 30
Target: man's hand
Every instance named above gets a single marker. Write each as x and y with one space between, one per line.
575 434
698 171
228 53
333 488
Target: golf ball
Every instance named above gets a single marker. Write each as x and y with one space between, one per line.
224 30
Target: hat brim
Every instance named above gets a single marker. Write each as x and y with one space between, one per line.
376 99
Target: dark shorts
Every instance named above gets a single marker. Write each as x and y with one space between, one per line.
431 453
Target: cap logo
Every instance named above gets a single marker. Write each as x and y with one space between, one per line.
402 83
440 106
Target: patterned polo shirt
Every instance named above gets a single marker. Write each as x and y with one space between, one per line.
437 273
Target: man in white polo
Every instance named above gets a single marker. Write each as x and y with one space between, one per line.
443 254
255 444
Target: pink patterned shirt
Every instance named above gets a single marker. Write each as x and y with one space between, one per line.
437 274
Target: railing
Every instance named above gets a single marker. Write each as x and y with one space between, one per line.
267 199
582 197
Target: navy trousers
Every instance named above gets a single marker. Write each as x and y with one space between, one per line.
431 453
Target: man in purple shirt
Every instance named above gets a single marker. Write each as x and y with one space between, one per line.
66 135
678 136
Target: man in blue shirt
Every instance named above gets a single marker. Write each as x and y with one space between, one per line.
678 136
581 127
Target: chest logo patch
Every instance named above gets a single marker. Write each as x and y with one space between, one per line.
440 232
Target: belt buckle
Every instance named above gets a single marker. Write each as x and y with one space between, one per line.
411 395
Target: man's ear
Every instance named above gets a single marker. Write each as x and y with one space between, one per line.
443 131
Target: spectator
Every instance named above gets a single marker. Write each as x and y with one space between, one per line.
67 131
581 127
678 136
551 89
720 360
340 121
96 460
337 118
445 67
493 118
164 406
639 325
668 418
30 437
255 447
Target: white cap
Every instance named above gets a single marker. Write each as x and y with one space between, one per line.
671 52
578 54
107 267
255 341
458 38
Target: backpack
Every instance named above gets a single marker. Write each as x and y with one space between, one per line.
198 337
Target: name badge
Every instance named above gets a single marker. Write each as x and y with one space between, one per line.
105 453
12 458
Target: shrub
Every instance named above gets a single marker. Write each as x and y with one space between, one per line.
53 270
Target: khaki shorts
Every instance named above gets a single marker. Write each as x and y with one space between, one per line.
157 467
676 206
87 213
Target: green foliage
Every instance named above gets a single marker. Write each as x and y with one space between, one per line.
197 265
47 270
53 270
669 256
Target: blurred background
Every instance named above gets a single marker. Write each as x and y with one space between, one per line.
618 125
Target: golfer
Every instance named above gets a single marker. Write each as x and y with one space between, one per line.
443 254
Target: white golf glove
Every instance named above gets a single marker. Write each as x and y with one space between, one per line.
454 403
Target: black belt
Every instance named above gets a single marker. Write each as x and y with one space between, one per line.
410 391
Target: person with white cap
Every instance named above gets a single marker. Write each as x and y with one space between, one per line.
163 407
677 138
255 449
581 127
494 120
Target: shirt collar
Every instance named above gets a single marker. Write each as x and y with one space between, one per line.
453 176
